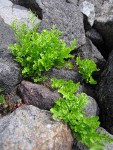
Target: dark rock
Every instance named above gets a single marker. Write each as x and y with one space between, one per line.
91 52
37 95
95 37
10 72
104 25
64 14
29 128
105 94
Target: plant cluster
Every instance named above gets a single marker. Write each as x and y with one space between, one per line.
39 52
86 68
69 108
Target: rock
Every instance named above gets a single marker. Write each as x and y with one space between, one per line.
9 12
91 109
95 37
91 52
64 74
30 4
97 4
64 14
104 25
10 72
105 95
37 95
29 128
88 9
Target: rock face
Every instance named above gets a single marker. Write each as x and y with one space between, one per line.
10 72
29 128
105 93
65 15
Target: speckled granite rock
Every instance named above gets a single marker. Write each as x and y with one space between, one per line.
29 128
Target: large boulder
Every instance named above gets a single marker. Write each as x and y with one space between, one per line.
29 128
64 14
105 94
10 72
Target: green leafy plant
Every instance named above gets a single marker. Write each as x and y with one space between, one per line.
39 52
69 108
86 68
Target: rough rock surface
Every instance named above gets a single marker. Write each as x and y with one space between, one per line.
105 93
10 72
65 15
29 128
9 12
37 95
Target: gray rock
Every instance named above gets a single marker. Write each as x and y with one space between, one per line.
64 74
91 52
91 109
9 12
37 95
97 4
104 25
105 95
10 72
64 14
29 128
88 9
